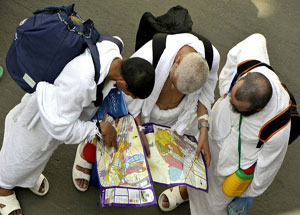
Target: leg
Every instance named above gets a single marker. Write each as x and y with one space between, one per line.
23 156
240 205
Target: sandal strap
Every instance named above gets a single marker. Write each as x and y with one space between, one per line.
81 175
39 182
174 197
11 204
79 160
36 188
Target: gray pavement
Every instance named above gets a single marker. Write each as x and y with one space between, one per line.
224 22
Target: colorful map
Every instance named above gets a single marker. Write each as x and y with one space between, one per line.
173 158
124 174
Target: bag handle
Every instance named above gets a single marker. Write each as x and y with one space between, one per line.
68 9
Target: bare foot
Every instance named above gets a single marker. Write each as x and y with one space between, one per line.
183 192
5 192
82 183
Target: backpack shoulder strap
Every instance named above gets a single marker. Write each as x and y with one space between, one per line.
274 125
277 122
209 53
158 47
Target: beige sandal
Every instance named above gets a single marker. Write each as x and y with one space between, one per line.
79 161
35 189
174 197
11 204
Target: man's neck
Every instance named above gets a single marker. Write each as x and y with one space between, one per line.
169 96
114 70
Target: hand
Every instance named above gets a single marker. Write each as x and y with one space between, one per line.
109 134
145 141
146 144
203 144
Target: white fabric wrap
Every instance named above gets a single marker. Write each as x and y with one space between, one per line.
223 135
65 104
55 113
205 95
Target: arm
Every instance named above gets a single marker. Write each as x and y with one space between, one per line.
60 104
206 98
253 47
203 137
268 163
145 141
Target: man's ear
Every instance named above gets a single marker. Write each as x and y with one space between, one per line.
121 84
258 109
178 60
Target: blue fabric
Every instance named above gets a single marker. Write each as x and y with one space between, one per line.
94 177
42 46
239 206
46 42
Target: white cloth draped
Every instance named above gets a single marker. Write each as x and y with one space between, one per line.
205 95
223 135
55 113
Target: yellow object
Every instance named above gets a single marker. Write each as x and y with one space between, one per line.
95 141
236 183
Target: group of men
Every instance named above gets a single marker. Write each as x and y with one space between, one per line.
180 86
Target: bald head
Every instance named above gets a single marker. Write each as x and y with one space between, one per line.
256 89
191 73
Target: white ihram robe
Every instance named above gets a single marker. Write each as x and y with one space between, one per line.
55 113
179 117
223 135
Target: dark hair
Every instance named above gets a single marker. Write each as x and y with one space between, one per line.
256 89
139 75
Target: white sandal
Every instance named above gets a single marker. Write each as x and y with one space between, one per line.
174 198
79 161
11 204
35 189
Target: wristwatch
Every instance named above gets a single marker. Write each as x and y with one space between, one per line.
203 124
205 117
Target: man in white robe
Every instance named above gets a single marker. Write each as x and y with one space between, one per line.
224 131
167 105
62 112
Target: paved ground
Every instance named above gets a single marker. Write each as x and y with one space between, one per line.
224 22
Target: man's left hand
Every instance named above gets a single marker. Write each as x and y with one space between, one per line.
203 145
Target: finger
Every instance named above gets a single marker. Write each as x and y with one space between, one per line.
107 141
207 156
148 151
198 151
147 148
115 144
207 159
116 121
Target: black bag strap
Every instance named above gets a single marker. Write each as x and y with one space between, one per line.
277 122
159 45
245 67
96 60
208 49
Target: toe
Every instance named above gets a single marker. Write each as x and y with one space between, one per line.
42 187
165 202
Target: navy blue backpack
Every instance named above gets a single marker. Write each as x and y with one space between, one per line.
45 42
